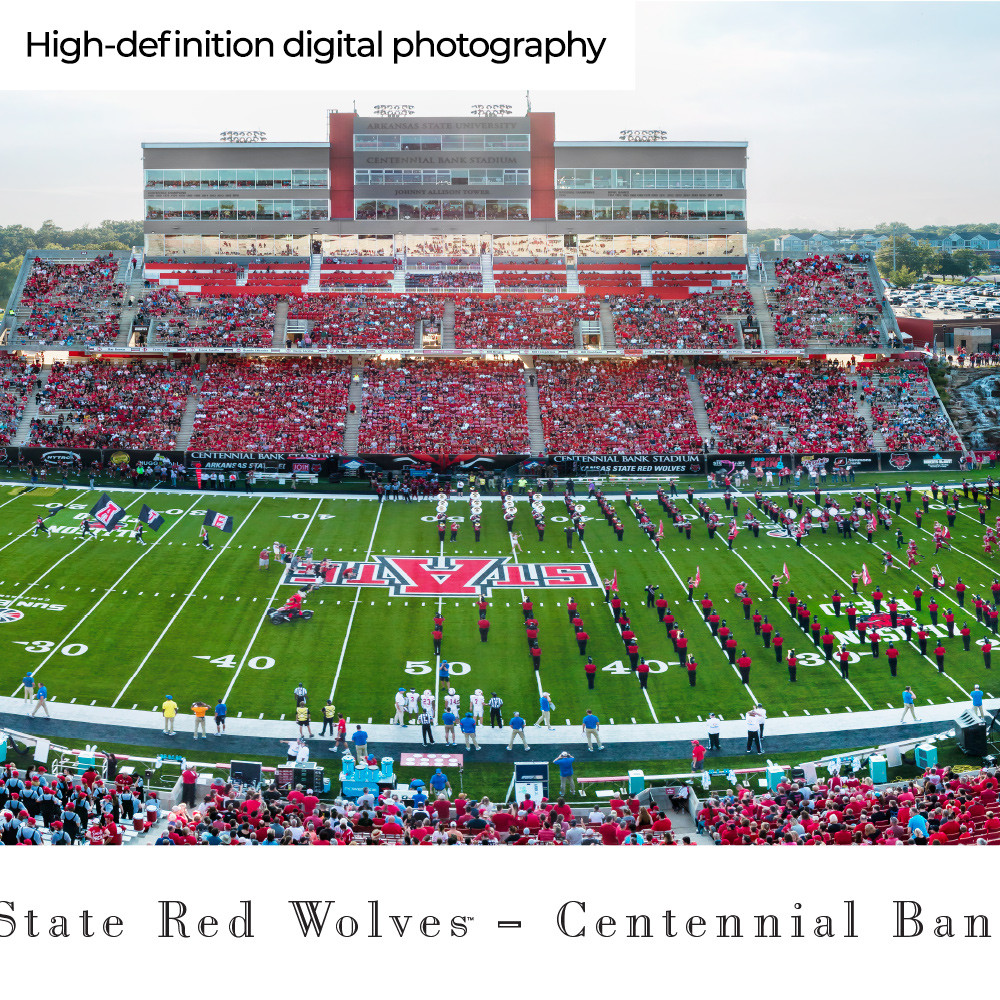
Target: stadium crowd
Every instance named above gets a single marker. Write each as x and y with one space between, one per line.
444 279
17 379
822 298
615 406
943 807
774 408
460 406
907 411
109 405
704 320
266 405
177 319
365 321
514 323
72 304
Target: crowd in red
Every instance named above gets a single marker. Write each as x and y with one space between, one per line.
444 279
110 405
516 323
703 320
457 406
529 279
823 298
615 407
907 411
942 807
177 319
17 379
267 405
72 304
781 407
351 279
367 321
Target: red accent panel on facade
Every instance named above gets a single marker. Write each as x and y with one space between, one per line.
342 166
921 330
543 164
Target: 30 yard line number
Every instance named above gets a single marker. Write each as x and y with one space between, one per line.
46 645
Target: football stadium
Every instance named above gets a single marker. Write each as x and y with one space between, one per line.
448 481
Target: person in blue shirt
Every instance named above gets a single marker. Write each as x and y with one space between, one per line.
444 674
360 740
449 721
565 764
220 718
439 783
517 729
546 706
43 693
917 822
976 695
28 681
592 730
419 798
909 704
468 727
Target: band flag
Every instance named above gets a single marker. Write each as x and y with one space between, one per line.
224 522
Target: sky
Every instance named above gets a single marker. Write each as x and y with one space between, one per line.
855 113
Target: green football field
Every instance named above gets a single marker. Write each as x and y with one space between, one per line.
108 622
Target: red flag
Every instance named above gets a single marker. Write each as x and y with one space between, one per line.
788 578
614 581
697 575
866 577
659 532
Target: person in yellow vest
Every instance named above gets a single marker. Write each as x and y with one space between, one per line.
169 714
200 710
329 717
302 718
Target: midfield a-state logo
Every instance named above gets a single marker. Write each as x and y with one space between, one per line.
899 460
446 576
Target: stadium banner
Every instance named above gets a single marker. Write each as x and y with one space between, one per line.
924 461
443 462
79 459
263 461
839 464
826 464
629 465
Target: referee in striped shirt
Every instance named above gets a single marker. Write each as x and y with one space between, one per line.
495 703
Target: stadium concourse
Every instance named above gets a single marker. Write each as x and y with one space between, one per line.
553 481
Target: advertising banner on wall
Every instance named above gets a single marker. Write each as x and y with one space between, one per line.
629 465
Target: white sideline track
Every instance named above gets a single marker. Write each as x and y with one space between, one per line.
795 725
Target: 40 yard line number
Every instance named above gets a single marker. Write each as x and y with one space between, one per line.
230 659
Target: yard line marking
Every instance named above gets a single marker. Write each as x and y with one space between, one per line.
354 607
274 594
187 598
145 552
23 533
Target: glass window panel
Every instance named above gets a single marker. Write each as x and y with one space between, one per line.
712 178
687 179
735 210
361 177
453 209
640 208
209 209
495 141
246 209
154 243
282 210
227 209
366 141
641 244
300 178
172 209
604 178
474 142
725 179
282 178
623 178
739 179
227 178
585 179
566 208
363 210
475 208
716 209
209 178
300 210
496 209
154 209
698 180
519 142
173 178
584 208
265 209
663 178
319 209
246 178
565 178
621 209
154 178
191 209
659 209
452 142
518 210
319 177
697 209
430 142
410 142
602 208
697 246
265 178
430 208
389 142
409 209
191 178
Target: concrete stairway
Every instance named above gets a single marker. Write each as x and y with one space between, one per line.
21 438
698 405
135 292
190 409
486 266
280 319
573 280
312 285
448 325
767 335
865 410
534 415
608 341
352 421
